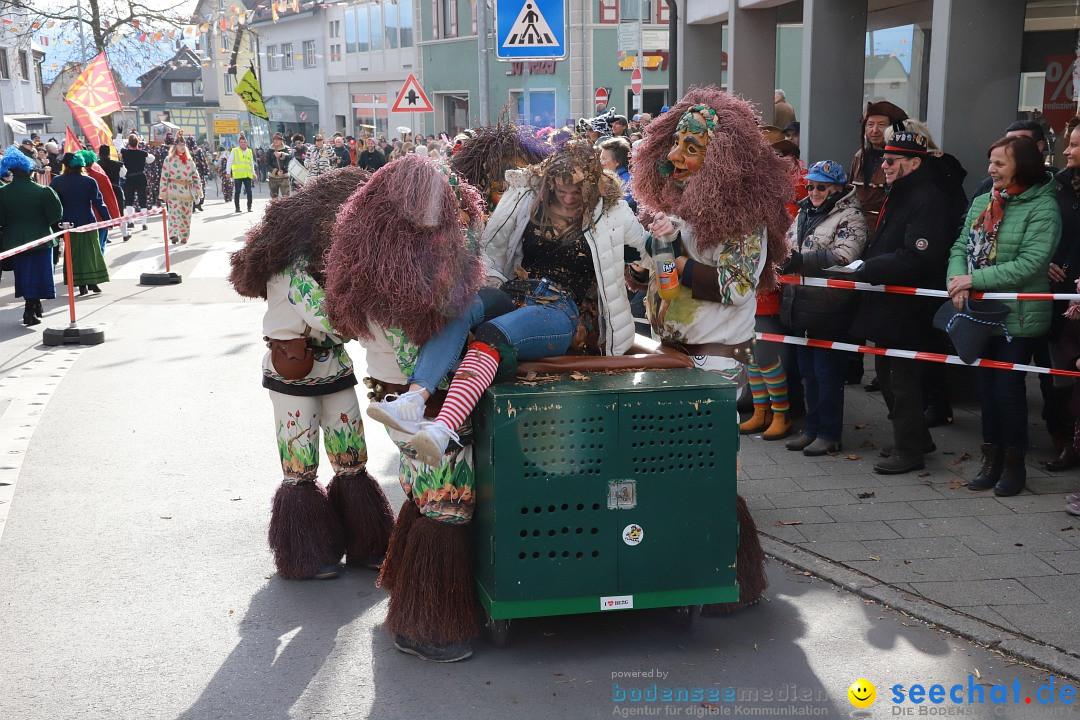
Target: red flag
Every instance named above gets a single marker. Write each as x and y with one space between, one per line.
95 88
71 143
94 127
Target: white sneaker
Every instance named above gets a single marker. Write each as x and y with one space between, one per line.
404 412
431 442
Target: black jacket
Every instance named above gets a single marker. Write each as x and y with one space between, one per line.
371 160
1067 256
910 246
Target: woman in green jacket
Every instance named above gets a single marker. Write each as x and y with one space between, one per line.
1005 246
26 212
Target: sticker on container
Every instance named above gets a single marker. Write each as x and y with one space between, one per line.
633 534
617 602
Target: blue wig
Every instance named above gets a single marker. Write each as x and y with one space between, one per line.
15 160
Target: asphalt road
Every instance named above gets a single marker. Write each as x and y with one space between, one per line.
135 581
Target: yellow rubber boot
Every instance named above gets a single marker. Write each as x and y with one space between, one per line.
758 421
779 428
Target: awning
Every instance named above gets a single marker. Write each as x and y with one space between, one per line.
23 123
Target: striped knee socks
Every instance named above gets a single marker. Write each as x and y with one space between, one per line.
775 380
757 386
473 376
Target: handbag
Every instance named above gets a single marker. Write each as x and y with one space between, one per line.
292 359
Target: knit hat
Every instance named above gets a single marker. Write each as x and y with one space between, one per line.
827 171
908 144
73 160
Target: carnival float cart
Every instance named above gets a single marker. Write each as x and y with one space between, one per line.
605 484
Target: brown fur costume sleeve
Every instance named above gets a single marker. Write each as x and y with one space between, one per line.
741 186
400 256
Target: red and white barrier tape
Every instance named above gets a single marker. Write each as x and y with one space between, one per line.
912 354
141 215
922 292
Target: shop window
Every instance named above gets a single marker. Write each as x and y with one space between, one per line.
609 11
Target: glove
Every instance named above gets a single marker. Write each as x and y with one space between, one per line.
794 263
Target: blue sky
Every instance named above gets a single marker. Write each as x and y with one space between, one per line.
893 41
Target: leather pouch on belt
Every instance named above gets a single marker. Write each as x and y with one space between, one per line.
292 359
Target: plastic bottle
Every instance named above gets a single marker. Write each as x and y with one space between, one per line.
667 276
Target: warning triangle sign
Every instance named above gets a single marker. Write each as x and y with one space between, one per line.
530 29
411 98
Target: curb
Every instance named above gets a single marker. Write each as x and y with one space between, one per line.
978 631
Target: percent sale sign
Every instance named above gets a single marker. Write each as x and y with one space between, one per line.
1060 90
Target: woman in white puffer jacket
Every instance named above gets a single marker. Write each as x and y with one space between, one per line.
554 249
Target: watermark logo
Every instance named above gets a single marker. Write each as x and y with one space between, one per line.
862 693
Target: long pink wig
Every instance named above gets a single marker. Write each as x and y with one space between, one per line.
741 186
400 256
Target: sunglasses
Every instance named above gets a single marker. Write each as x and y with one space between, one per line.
891 160
820 187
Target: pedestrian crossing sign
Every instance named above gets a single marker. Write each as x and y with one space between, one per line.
530 30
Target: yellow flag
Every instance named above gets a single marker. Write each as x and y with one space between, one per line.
251 93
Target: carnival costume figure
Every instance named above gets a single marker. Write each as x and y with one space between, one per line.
705 164
81 198
108 195
311 382
27 210
405 264
484 157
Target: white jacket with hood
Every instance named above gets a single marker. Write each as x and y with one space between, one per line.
609 233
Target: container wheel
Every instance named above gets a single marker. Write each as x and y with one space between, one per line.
687 616
498 632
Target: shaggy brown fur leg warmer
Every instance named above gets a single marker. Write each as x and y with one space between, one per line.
433 600
365 515
305 533
749 564
399 537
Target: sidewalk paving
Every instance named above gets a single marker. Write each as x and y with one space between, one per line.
997 570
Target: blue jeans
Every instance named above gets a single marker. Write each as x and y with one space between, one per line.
544 327
823 372
1003 393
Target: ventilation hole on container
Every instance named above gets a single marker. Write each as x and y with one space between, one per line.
521 556
551 533
536 555
594 531
551 554
578 531
565 506
525 511
536 533
596 553
537 509
551 508
566 553
524 533
580 506
578 556
565 531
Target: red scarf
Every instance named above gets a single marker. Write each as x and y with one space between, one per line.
982 238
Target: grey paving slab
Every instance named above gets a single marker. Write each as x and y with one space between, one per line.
986 613
819 498
840 550
786 470
937 527
765 486
838 482
872 511
1065 562
982 567
788 533
873 530
1051 522
955 593
756 502
995 543
961 506
804 515
903 493
927 547
1057 590
1028 503
1054 484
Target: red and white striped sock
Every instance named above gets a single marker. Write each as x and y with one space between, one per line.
473 376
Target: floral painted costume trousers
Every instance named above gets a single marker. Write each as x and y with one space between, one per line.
179 219
299 420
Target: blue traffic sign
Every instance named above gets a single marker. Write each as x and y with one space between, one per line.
530 29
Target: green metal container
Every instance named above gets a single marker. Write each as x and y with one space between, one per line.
607 493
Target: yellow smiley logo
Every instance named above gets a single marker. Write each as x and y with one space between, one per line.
862 693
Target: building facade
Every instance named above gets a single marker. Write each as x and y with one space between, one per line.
172 97
227 45
21 92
